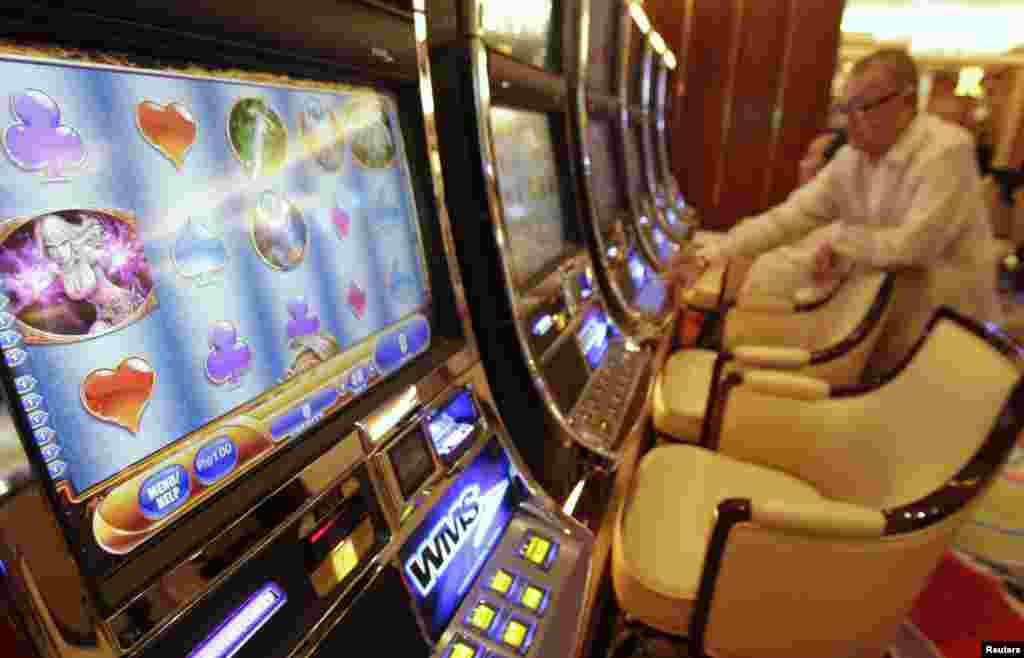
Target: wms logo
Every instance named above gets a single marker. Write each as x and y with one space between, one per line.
471 515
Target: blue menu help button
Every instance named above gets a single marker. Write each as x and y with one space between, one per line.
403 343
164 491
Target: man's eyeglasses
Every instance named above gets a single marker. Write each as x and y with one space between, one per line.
994 76
863 107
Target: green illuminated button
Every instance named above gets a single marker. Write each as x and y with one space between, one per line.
532 597
515 634
462 650
482 616
501 582
537 550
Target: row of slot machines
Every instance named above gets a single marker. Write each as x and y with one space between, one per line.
312 316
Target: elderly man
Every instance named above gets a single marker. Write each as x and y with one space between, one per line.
907 196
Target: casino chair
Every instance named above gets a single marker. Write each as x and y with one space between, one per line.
831 340
811 517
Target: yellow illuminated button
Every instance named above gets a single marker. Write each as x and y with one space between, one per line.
537 550
501 582
462 650
514 634
482 617
531 597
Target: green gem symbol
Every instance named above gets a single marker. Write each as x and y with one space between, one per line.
258 137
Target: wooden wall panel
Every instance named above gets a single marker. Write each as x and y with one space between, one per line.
696 147
811 59
749 138
757 77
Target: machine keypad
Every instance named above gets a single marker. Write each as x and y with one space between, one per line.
601 409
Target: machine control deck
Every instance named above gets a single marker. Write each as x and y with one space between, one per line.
601 409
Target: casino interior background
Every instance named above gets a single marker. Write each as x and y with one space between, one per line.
337 326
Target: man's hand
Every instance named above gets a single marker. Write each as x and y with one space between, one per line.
687 266
826 263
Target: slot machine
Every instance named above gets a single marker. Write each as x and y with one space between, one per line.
665 65
245 413
627 271
663 233
567 379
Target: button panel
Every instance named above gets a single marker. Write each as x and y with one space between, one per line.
512 610
601 409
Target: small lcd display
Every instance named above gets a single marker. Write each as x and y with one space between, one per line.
451 426
649 291
528 184
411 461
594 335
607 183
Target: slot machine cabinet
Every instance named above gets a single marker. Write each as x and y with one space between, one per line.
627 275
172 486
571 385
662 233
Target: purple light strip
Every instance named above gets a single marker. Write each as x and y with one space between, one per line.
243 623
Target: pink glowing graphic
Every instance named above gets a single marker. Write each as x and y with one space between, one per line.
75 273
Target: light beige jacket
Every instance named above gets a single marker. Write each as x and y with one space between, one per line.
922 216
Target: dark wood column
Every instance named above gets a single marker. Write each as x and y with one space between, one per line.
757 77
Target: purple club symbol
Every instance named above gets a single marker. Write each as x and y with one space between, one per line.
229 357
38 140
303 322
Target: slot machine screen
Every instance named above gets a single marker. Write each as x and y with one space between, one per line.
196 270
604 22
530 192
607 183
445 553
650 293
522 29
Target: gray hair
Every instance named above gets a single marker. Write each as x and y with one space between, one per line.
898 64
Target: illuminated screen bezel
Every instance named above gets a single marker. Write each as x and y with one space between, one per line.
525 279
98 565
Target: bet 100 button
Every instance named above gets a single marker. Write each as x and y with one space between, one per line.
164 491
215 460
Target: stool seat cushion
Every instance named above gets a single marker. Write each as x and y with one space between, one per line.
662 531
681 393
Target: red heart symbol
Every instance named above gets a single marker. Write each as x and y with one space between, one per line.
341 221
120 396
170 128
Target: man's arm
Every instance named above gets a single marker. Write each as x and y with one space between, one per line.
809 207
936 216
